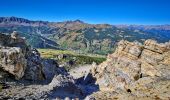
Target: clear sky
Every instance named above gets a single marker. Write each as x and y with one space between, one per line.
90 11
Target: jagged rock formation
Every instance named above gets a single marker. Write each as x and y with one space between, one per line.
37 78
16 57
135 71
21 61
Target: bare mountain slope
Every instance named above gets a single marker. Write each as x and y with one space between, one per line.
80 36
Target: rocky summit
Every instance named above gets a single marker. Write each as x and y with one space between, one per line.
135 71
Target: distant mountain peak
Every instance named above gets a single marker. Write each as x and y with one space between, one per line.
75 21
79 21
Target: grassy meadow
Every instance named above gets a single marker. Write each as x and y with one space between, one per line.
79 59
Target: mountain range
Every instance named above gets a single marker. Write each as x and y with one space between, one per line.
80 36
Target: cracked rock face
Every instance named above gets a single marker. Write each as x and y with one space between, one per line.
141 70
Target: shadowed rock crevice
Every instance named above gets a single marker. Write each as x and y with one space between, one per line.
88 84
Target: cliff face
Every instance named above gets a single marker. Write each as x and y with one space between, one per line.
136 71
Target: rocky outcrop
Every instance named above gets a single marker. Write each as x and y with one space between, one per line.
34 70
138 70
12 54
38 78
12 60
18 59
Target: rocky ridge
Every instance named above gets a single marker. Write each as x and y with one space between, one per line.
135 72
20 21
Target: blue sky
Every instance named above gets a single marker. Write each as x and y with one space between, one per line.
90 11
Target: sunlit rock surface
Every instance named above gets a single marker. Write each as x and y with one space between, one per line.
135 71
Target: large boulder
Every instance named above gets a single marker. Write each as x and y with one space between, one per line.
13 61
12 55
51 68
141 70
34 70
64 84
